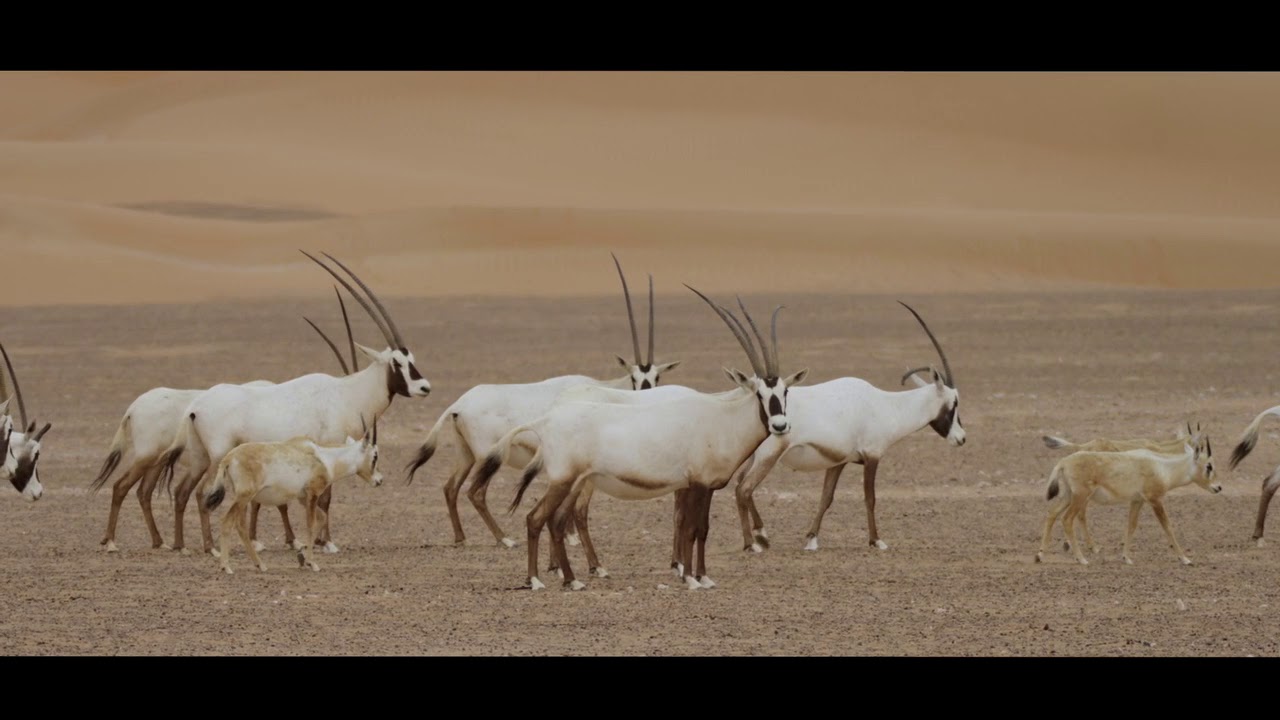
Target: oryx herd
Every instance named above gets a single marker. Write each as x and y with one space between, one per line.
265 443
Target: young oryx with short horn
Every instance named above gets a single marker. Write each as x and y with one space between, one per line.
148 428
1134 477
273 473
487 412
21 448
850 421
1269 483
638 452
321 407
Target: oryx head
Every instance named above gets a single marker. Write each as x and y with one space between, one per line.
403 377
947 422
644 373
770 389
1202 456
22 448
367 466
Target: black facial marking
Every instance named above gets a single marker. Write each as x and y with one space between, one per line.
413 372
26 468
775 405
645 385
764 418
395 381
942 423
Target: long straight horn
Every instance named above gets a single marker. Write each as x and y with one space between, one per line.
631 317
17 389
395 333
650 320
946 366
386 334
738 333
770 370
351 340
773 335
332 347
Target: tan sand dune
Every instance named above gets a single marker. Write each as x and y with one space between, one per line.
158 187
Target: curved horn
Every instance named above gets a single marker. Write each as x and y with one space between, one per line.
332 347
45 429
1208 445
769 369
364 428
395 333
355 364
635 337
650 320
946 366
913 371
773 335
738 333
386 334
17 389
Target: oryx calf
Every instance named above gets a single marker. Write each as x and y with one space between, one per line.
274 473
1269 483
1134 477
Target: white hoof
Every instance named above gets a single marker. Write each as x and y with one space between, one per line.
1261 542
228 571
1083 561
1185 560
707 582
1127 561
755 548
262 567
315 567
1039 557
678 569
577 585
760 533
111 546
692 584
559 574
573 540
600 572
330 548
536 584
184 551
215 552
512 543
166 546
882 545
812 544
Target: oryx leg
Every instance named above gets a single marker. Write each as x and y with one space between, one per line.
581 506
560 520
536 519
828 495
1269 485
1056 509
145 490
1069 524
690 521
290 540
242 526
322 534
476 494
194 473
201 492
1135 508
1157 504
751 474
704 529
315 524
230 521
120 491
461 469
677 533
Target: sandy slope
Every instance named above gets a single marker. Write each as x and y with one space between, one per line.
157 187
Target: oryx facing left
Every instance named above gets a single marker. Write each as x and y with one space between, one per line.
637 452
321 407
21 448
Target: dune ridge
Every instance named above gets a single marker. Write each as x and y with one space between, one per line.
171 187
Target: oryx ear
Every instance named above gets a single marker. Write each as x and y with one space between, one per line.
625 365
796 378
667 366
918 381
738 379
937 378
370 352
350 440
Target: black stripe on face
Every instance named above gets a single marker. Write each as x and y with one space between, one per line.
775 406
942 423
26 468
396 384
413 372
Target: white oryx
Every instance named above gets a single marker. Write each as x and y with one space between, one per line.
845 421
21 447
321 407
485 413
148 428
638 452
1269 483
274 473
1134 477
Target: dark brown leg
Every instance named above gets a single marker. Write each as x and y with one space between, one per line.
690 516
828 495
704 528
120 491
477 497
451 487
145 491
1269 485
869 494
559 521
322 537
180 498
581 506
534 522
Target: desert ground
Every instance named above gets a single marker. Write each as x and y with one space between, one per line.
1096 252
962 523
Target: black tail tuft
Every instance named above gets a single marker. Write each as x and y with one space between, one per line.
1242 451
424 455
1053 490
215 498
530 473
167 461
488 469
108 467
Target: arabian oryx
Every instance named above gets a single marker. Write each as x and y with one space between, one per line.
1269 483
487 412
845 421
1134 477
21 447
148 427
273 473
318 406
637 452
